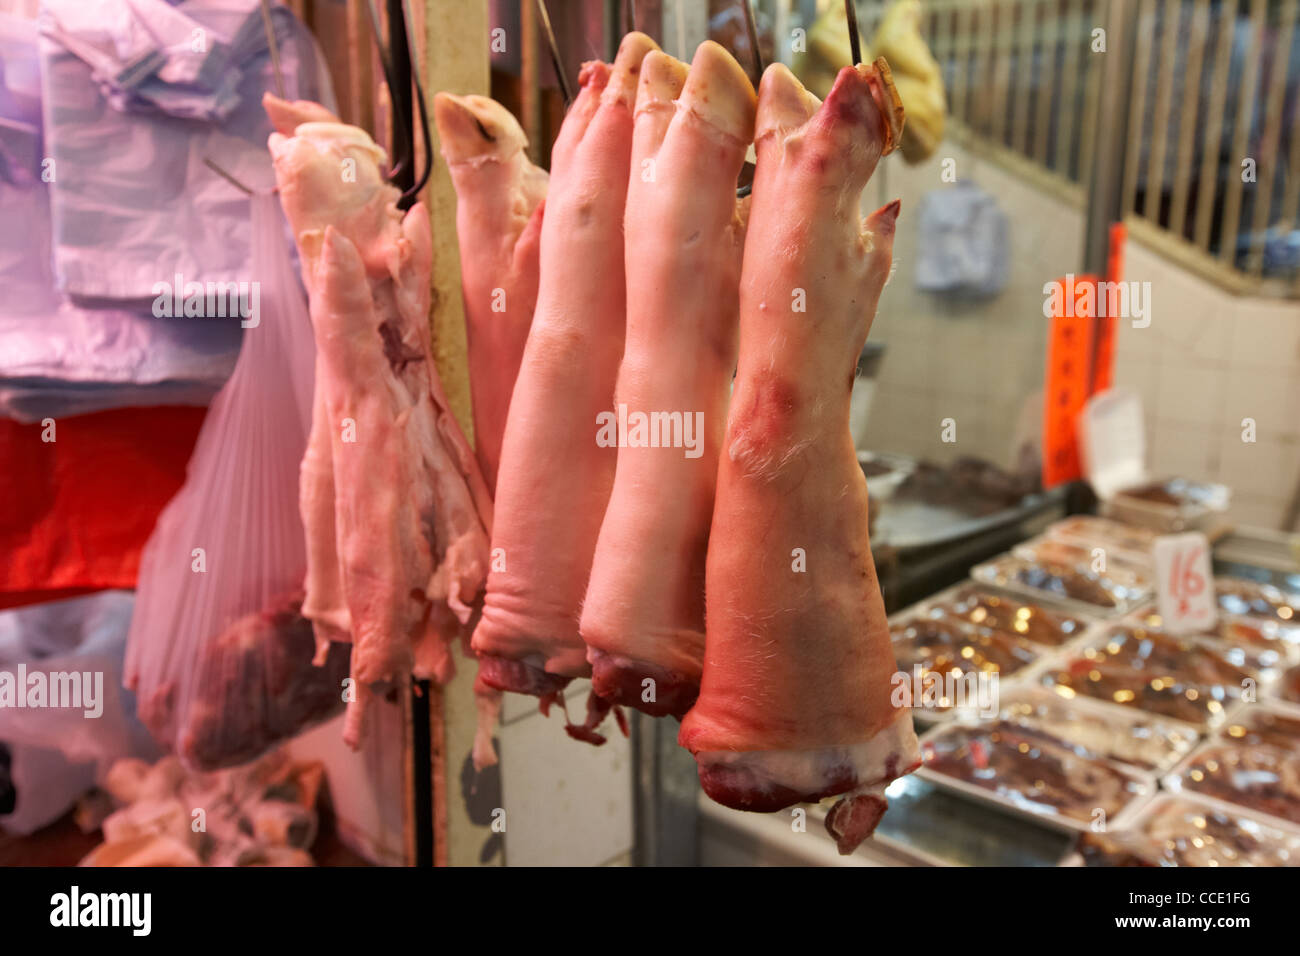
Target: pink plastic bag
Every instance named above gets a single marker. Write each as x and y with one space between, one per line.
219 655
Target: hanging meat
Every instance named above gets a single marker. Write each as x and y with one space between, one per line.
499 203
795 701
411 511
643 619
555 478
323 602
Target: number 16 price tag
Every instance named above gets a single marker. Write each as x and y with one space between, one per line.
1184 583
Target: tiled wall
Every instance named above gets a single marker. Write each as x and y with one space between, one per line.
567 803
978 362
1208 359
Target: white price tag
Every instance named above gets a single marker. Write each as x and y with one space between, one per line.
1185 583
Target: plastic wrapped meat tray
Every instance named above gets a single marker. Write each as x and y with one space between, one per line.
1145 742
1129 543
1264 724
1188 679
940 644
1260 778
1031 772
1253 633
1251 598
1003 613
1050 551
1074 587
1179 830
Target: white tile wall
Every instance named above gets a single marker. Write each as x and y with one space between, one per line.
975 361
567 803
1207 360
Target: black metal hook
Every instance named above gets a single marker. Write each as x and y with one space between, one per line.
565 90
855 41
401 171
751 28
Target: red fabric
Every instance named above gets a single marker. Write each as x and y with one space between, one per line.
75 512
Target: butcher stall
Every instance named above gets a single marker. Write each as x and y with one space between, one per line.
649 433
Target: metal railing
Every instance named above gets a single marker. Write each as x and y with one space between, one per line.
1211 135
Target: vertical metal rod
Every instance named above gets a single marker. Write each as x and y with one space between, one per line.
1026 14
565 90
752 29
1141 73
1241 132
1162 111
399 59
1200 28
855 40
1047 89
1270 151
1066 135
1115 99
1209 181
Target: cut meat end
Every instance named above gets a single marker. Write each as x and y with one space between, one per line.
766 781
643 685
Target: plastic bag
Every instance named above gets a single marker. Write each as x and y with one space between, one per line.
962 247
53 748
219 654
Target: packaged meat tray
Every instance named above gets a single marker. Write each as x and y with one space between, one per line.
1250 632
1288 686
1251 598
1173 504
1126 542
1144 742
934 644
1009 615
1191 680
1260 777
1031 772
1047 551
1074 587
1180 830
1264 724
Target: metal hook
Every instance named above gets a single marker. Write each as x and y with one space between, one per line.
565 90
751 27
855 41
403 125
